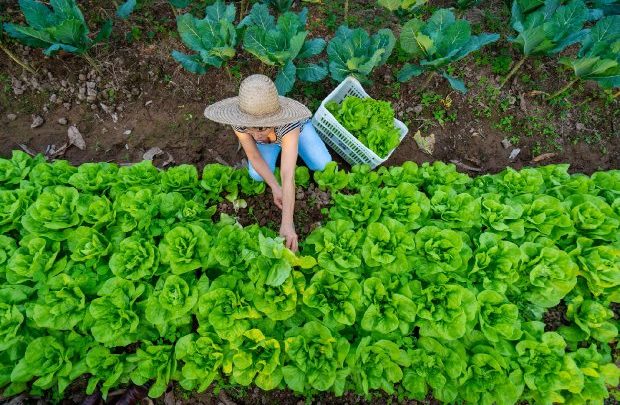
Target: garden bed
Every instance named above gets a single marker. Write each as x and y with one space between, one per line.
554 230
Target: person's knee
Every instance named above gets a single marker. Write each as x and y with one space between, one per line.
254 174
315 151
319 161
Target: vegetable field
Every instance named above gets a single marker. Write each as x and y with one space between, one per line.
479 264
421 280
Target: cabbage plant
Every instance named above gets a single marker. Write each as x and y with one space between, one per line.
438 42
284 44
353 52
60 28
547 28
599 56
213 38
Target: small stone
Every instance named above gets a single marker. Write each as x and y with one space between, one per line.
104 130
62 121
127 146
148 103
67 105
93 107
53 98
409 110
11 117
37 121
91 92
82 90
45 108
91 99
127 132
81 97
82 77
515 152
90 85
506 143
580 127
119 108
63 83
418 108
387 78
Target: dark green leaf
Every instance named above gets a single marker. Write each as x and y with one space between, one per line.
191 63
125 9
455 83
408 71
286 78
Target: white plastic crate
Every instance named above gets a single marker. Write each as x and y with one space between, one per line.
338 137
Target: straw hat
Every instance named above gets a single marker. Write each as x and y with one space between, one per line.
258 105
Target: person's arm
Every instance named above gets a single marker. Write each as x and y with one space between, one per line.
249 146
287 171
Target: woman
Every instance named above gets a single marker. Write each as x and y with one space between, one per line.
266 124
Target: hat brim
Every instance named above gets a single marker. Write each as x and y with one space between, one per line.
227 112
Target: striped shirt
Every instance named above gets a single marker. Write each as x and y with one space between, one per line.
280 131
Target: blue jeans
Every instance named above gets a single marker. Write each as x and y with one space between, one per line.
311 148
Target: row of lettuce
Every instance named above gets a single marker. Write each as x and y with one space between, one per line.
421 279
543 28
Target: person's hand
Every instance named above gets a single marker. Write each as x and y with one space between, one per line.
290 236
277 196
